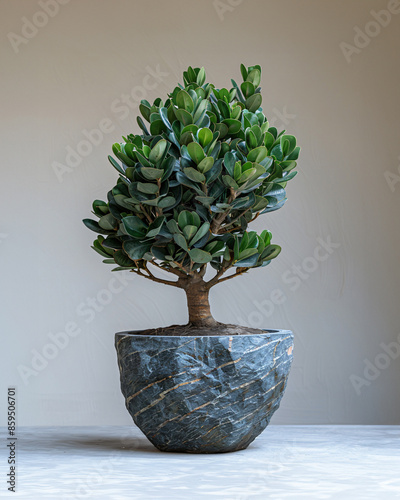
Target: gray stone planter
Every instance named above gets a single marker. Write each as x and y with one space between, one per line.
203 394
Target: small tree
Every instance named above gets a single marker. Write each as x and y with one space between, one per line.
206 166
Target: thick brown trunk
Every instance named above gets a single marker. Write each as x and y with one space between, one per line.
198 304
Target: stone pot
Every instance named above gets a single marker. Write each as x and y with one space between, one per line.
209 394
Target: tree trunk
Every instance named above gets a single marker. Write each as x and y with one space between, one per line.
198 304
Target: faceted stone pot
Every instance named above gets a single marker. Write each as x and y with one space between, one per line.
208 394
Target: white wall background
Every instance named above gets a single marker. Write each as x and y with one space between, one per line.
73 73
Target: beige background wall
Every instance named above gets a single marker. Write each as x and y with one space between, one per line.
71 75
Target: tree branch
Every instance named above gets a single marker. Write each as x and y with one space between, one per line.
255 217
187 273
149 219
216 223
171 270
233 221
151 277
239 271
223 270
202 270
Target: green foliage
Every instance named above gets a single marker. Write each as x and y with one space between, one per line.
206 165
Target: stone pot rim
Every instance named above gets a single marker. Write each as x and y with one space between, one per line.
272 331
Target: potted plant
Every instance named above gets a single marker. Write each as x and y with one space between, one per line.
206 166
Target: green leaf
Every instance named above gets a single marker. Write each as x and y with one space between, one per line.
269 140
125 159
229 162
266 236
147 188
201 77
134 226
243 71
157 127
199 256
247 253
224 109
248 89
233 125
142 125
135 249
167 202
143 160
108 222
214 247
189 231
251 139
182 179
194 175
186 138
206 164
155 227
99 249
294 154
184 101
94 226
200 110
100 207
203 230
130 150
196 152
270 252
157 152
180 240
164 117
145 110
122 259
258 154
184 218
153 202
111 243
243 242
172 226
229 182
222 129
116 147
260 204
236 249
205 136
248 261
277 152
248 174
253 102
116 165
205 200
254 77
152 174
190 128
183 116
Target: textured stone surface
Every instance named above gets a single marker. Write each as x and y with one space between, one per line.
203 394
